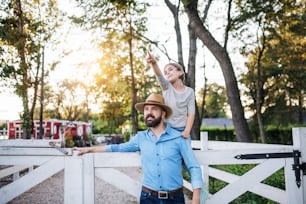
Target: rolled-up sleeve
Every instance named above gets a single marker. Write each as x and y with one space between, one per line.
164 83
192 165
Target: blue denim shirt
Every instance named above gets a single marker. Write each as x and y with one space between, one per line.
162 159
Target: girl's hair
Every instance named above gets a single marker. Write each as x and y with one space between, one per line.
178 67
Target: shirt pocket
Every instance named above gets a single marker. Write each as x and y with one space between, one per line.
170 152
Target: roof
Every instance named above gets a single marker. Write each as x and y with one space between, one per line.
217 122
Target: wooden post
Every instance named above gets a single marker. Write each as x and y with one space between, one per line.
73 182
299 143
16 175
205 169
89 179
79 182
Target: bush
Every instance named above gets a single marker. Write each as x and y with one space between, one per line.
274 135
276 180
69 143
220 134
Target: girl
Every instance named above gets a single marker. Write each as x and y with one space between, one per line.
178 96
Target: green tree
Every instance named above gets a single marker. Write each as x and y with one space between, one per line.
215 101
192 55
222 56
68 102
113 82
25 26
123 20
281 74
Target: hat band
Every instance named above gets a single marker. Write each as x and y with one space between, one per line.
151 101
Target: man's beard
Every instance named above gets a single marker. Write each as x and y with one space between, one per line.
152 123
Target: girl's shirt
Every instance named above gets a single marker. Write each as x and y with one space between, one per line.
181 103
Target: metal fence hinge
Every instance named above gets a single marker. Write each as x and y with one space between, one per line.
297 166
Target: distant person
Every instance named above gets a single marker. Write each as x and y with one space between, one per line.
177 95
162 151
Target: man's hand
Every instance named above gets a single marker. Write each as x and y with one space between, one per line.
82 150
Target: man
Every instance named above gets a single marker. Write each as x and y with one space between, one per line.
162 152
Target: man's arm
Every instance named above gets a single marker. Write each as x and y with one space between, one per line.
196 196
85 150
192 165
131 146
194 170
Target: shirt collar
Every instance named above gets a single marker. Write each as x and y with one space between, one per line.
168 134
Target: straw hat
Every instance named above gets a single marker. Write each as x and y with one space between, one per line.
155 99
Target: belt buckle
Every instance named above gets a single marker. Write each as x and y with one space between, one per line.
162 194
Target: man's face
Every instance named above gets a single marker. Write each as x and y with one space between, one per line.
152 115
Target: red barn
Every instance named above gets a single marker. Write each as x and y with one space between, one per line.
53 129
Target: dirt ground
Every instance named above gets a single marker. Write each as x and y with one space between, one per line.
51 191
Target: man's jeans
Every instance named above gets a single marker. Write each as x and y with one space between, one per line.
147 198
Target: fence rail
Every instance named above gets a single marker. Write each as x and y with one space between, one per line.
80 171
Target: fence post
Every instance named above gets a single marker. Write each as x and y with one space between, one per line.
89 179
73 180
299 143
204 147
16 175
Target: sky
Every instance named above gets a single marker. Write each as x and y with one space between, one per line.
83 54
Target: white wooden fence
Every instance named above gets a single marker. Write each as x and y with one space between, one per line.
80 171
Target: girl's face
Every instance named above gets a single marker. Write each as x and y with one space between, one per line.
172 73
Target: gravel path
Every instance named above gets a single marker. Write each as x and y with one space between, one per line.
51 191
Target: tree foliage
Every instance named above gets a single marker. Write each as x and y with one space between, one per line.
272 33
283 63
68 102
25 26
223 58
121 70
215 101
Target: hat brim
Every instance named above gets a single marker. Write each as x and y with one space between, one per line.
140 107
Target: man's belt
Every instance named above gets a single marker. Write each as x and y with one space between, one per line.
162 194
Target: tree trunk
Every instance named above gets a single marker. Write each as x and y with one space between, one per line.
259 88
22 90
175 12
42 96
300 107
134 91
204 96
240 124
195 131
